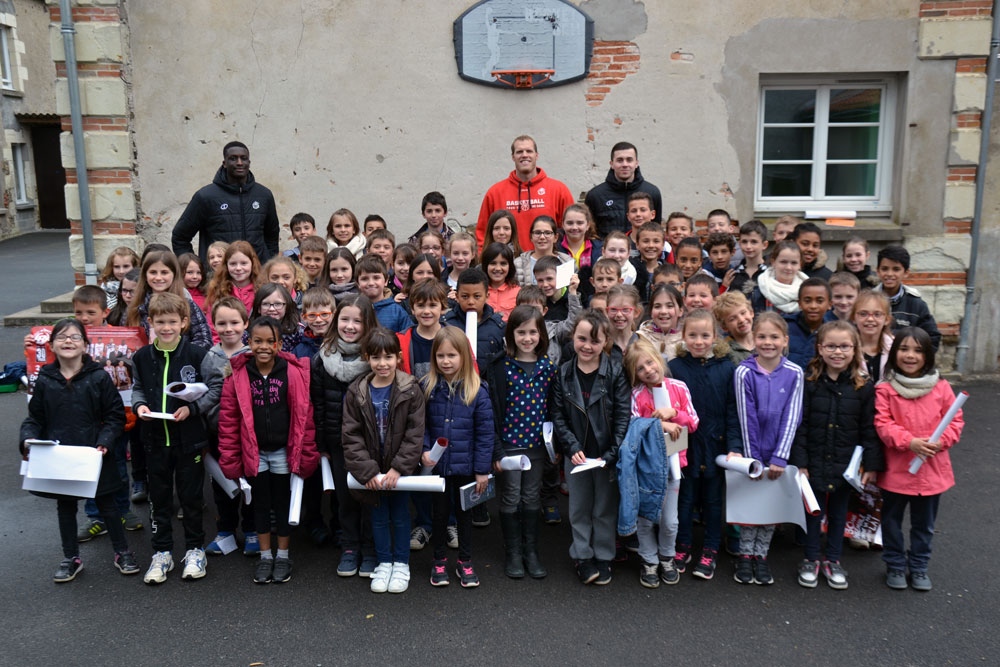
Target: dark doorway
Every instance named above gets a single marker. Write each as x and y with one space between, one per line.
50 177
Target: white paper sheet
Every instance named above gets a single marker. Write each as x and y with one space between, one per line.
295 507
472 330
547 428
959 401
752 468
433 483
521 462
168 416
763 502
589 464
564 273
227 544
32 441
436 451
808 497
327 473
675 466
63 469
230 487
187 391
853 472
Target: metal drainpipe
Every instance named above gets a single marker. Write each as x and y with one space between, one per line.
962 352
69 46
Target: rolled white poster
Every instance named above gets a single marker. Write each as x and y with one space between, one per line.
295 506
547 428
960 400
661 399
853 472
752 468
433 483
675 466
247 491
808 497
521 462
472 329
230 487
436 451
324 466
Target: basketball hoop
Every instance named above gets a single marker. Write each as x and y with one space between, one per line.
522 78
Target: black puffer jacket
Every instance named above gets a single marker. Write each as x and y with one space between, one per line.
223 211
85 411
607 202
836 418
327 394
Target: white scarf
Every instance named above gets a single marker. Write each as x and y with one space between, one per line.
783 297
911 388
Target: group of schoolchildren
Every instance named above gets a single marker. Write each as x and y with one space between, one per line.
357 350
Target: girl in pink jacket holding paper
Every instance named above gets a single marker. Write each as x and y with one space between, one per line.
909 405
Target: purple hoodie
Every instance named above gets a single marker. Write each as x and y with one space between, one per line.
770 409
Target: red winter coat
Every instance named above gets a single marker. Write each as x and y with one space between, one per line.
238 455
526 201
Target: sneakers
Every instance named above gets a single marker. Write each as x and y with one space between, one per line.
603 573
466 575
213 548
860 545
67 570
705 569
744 570
586 570
139 492
762 572
631 542
682 558
836 575
896 580
551 515
649 575
920 581
251 545
481 516
668 572
419 538
452 537
349 561
368 565
439 573
809 573
131 521
194 564
125 562
263 573
162 563
282 571
380 578
399 580
91 528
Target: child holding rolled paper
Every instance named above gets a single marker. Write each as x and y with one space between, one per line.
458 410
266 434
838 410
383 439
912 401
768 390
647 372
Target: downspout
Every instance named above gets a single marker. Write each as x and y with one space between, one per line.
68 31
962 352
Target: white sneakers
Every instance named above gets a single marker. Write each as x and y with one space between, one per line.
394 578
194 564
162 563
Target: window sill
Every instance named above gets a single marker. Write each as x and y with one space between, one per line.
11 92
24 206
877 229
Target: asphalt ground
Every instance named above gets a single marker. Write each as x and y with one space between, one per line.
317 618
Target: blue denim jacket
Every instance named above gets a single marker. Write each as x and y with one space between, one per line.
642 473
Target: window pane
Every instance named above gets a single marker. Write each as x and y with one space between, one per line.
847 180
786 180
852 143
789 106
855 105
788 143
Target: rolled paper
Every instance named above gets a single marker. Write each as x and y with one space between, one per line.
853 472
675 466
661 397
472 329
436 452
247 491
295 506
547 428
230 487
521 462
186 392
808 497
959 401
752 468
433 483
588 465
324 466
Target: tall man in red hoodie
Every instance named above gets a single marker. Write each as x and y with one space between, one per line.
527 192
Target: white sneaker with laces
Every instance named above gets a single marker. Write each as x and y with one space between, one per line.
194 564
419 539
452 537
380 577
400 579
163 562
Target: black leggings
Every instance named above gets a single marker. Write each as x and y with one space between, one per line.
271 492
66 507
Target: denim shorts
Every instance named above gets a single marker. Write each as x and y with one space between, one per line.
276 462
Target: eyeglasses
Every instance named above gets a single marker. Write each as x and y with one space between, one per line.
542 233
128 292
321 315
873 314
620 311
846 347
62 338
272 306
676 285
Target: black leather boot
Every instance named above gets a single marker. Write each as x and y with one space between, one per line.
510 523
529 520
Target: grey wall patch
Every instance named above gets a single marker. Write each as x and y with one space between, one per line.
616 20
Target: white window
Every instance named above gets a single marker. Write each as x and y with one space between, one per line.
826 145
6 69
20 185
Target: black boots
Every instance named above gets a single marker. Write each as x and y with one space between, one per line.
510 523
529 521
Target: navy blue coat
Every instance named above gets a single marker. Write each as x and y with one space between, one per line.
802 341
489 334
468 429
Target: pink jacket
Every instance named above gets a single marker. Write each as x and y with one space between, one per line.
899 420
238 455
680 400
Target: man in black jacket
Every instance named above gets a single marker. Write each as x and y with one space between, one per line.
607 201
232 207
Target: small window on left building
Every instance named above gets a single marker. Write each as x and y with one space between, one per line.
6 58
20 155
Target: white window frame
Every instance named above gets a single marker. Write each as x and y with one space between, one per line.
18 152
6 66
881 201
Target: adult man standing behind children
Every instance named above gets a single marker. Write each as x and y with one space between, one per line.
607 200
527 193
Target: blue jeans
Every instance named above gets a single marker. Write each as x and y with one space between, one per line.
709 491
121 496
391 527
923 512
835 508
